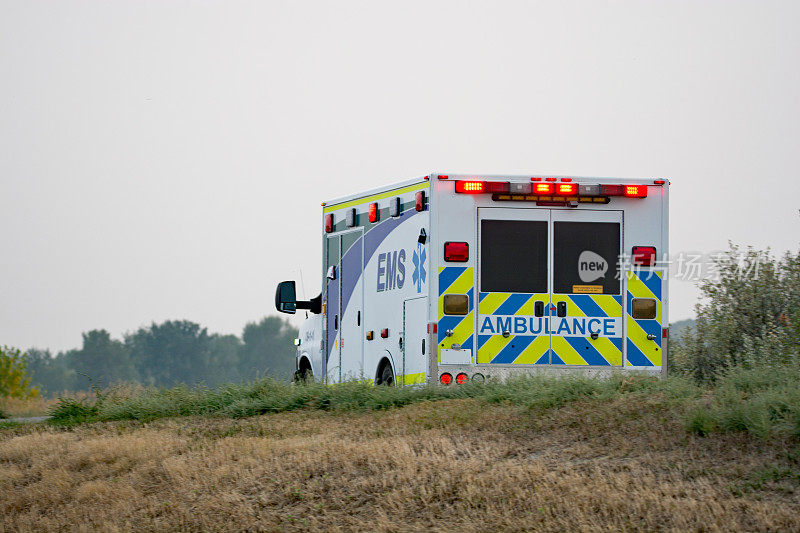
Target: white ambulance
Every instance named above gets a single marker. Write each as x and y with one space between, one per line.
451 278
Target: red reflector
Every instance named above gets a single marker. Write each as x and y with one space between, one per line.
644 255
329 223
419 201
544 188
457 252
550 179
536 179
446 378
659 182
665 333
566 179
461 378
374 213
567 189
612 190
636 191
470 187
441 177
385 333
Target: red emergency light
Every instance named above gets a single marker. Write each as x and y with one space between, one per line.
470 187
419 201
374 212
474 187
456 252
636 191
446 378
644 255
544 188
567 189
329 223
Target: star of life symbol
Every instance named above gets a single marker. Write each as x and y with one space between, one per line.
418 277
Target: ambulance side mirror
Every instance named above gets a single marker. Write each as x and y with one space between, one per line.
286 297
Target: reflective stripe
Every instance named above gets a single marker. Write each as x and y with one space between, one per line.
381 196
583 350
456 280
413 379
520 349
640 351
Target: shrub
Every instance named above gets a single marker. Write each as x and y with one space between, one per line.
14 379
749 316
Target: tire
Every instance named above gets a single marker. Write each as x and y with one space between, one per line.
304 375
385 375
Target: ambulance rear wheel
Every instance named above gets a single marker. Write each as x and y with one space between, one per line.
385 375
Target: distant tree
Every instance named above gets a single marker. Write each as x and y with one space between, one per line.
102 359
50 374
15 382
223 359
177 351
268 348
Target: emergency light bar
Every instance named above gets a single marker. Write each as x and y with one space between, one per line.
547 188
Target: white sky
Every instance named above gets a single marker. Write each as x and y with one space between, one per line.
165 160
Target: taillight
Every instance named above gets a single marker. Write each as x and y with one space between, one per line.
329 223
457 252
567 189
374 212
636 191
644 255
419 201
470 187
446 378
461 378
544 188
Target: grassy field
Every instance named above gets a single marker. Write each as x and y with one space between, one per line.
574 455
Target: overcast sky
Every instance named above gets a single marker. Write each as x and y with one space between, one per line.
165 160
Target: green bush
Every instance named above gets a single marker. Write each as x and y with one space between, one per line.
749 316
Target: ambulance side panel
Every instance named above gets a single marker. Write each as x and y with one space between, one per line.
380 270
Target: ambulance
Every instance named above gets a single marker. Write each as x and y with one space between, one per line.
453 278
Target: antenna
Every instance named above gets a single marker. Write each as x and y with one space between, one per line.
303 287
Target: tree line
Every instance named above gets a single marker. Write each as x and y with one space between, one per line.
167 354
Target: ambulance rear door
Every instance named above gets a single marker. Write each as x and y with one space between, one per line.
587 326
513 286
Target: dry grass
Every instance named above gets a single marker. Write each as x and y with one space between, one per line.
447 465
39 406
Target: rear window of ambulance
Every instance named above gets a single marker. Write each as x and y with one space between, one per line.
513 256
586 257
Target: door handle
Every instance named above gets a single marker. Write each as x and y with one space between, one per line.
538 309
336 322
561 309
423 346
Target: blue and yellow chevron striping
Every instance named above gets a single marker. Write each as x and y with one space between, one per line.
511 311
456 280
639 350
